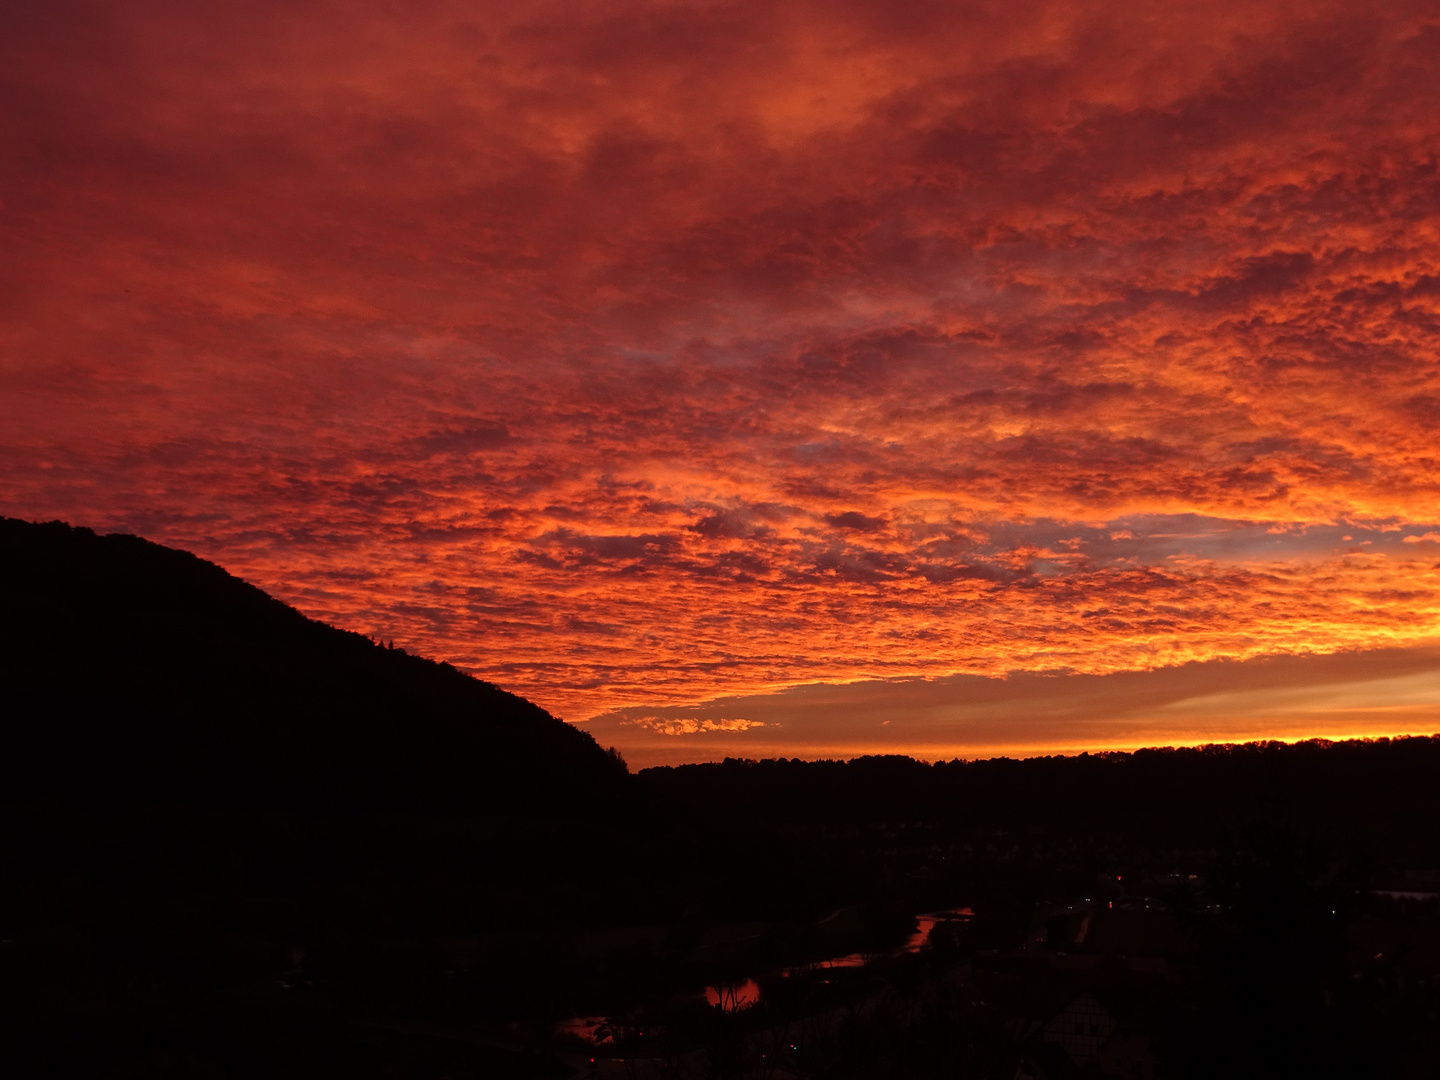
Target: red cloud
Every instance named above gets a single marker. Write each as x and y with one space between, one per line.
652 350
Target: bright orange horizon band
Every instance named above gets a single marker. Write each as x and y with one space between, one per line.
640 353
930 753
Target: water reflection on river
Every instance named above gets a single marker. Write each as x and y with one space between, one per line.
591 1029
737 996
917 941
734 998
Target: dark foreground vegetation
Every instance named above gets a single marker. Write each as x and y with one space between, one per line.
235 842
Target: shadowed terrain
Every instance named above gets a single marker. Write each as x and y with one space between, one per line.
147 674
241 843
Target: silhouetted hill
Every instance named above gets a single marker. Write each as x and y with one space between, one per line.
1381 787
235 842
135 672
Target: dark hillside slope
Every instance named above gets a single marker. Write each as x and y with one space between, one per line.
238 842
133 672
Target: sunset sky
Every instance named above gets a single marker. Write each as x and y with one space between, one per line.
761 378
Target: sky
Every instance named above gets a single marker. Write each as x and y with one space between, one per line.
760 378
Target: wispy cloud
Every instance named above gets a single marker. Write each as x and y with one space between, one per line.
688 725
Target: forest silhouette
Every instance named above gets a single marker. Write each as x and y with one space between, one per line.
238 842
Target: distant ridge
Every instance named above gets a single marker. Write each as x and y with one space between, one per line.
136 673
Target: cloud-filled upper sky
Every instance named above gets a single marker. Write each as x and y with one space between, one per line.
633 354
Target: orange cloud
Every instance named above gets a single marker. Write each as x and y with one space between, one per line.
1346 695
646 352
688 725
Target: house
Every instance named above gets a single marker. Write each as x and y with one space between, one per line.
1106 1031
1128 1054
1081 1028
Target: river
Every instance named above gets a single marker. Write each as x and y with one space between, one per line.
733 997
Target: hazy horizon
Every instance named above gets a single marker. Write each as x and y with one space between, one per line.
1030 714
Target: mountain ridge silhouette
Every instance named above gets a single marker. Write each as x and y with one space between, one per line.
139 672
